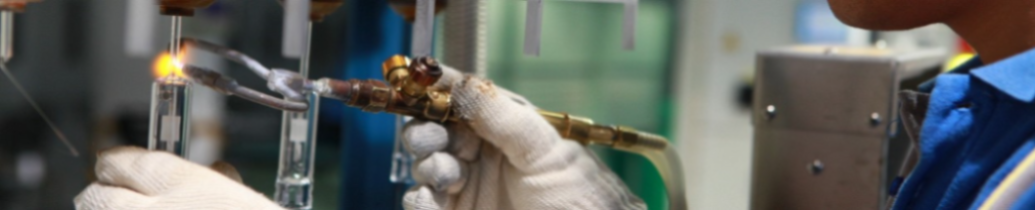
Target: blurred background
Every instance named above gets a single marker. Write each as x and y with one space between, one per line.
88 64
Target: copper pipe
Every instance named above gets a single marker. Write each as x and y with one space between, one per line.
229 86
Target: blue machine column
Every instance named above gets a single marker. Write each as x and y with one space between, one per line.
374 33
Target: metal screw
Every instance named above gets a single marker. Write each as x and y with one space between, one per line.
815 167
874 119
770 111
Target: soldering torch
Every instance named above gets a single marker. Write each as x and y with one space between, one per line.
408 92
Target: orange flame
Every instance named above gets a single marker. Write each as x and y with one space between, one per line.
165 66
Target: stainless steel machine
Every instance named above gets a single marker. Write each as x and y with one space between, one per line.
824 124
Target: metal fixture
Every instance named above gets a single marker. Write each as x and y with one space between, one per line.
823 94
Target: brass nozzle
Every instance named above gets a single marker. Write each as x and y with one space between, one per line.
584 131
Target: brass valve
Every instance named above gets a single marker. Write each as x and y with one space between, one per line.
409 93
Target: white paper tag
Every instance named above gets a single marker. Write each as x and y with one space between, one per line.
533 27
423 28
140 21
534 23
296 28
170 128
629 24
299 128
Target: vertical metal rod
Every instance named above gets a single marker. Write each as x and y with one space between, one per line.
298 148
630 11
174 37
6 35
423 29
295 36
533 27
303 64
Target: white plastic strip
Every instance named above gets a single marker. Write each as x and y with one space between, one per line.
423 28
533 27
534 23
296 24
298 129
629 24
170 130
141 17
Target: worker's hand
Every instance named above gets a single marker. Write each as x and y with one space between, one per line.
134 178
504 156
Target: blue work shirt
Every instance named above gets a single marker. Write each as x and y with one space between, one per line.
979 125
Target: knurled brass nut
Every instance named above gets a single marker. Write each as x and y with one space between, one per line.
425 71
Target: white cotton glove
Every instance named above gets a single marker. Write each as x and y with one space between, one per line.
134 178
504 155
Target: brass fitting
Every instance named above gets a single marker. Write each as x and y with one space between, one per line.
411 80
584 131
408 8
375 96
321 8
182 7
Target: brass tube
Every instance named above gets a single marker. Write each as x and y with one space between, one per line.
376 96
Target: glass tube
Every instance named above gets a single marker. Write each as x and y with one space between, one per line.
6 35
402 161
297 150
170 115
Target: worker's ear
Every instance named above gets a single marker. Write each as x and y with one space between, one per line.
227 170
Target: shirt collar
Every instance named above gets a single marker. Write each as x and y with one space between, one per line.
1014 76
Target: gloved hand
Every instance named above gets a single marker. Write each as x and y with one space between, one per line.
134 178
504 155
